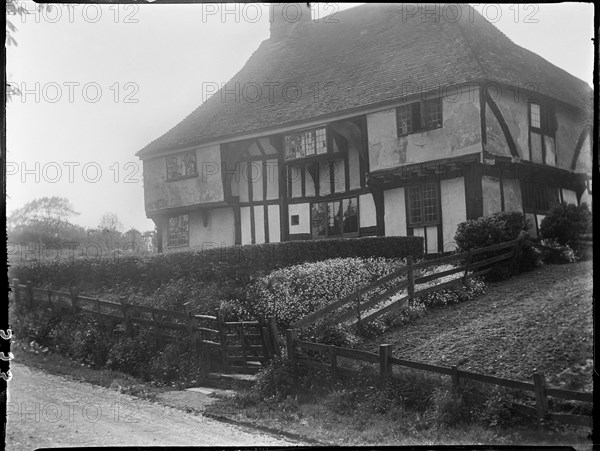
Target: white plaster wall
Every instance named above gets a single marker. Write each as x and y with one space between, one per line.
492 201
254 175
274 224
204 188
272 180
383 139
259 224
454 209
569 196
245 225
303 211
366 208
395 212
512 195
219 230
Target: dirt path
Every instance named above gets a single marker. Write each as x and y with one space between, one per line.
46 411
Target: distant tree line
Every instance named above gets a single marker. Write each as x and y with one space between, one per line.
45 222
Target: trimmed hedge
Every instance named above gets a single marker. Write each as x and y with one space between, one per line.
227 266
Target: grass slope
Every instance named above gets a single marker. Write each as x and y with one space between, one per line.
539 321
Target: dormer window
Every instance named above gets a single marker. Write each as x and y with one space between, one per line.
181 166
306 143
419 116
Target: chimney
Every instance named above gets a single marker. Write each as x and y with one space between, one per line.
283 17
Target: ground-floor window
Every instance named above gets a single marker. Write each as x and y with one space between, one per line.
539 197
179 232
335 218
423 204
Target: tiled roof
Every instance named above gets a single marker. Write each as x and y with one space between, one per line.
373 54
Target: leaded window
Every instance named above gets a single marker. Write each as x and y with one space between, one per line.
179 230
423 204
182 165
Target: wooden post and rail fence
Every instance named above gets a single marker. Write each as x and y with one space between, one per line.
385 363
244 345
352 308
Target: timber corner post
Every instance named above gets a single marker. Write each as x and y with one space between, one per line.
291 335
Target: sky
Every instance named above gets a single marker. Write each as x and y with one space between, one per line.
99 82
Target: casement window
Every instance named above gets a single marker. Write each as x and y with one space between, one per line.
306 143
181 166
335 218
542 119
419 116
539 198
179 234
423 205
542 133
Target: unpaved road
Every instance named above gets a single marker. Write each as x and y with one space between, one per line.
45 410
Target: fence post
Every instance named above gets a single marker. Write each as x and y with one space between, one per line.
332 361
125 311
222 336
358 319
456 382
74 301
411 277
518 247
385 366
190 324
31 301
541 401
291 335
465 280
17 296
274 336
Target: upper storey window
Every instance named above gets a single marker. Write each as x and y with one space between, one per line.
542 119
419 116
306 143
181 166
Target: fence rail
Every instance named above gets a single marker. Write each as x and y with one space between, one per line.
258 346
354 306
386 363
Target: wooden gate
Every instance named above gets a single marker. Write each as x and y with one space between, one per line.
242 346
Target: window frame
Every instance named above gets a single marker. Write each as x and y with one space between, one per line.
342 234
186 176
418 117
301 135
537 198
423 222
171 244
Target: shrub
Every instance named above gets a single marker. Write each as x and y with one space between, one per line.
566 223
283 378
496 229
555 253
291 293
